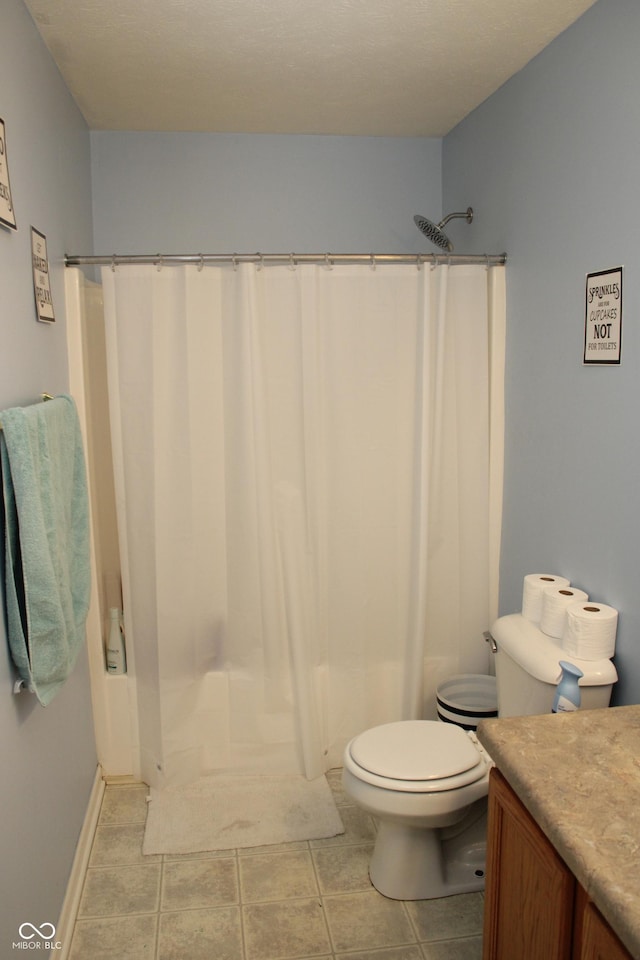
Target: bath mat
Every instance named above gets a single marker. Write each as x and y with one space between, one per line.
223 812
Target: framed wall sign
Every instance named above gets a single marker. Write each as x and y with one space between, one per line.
603 317
7 213
41 285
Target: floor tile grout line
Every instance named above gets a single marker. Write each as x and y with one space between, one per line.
322 904
243 936
156 952
414 926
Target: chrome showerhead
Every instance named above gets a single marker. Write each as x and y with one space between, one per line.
434 231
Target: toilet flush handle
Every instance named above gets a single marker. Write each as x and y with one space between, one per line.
490 639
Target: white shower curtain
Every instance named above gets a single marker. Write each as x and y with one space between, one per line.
309 473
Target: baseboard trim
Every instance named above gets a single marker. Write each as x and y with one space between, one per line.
69 912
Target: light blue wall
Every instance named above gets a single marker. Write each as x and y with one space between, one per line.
220 193
551 165
47 756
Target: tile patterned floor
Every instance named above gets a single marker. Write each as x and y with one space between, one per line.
289 902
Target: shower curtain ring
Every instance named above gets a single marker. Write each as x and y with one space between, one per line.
327 262
234 261
113 263
292 262
373 261
200 264
260 261
419 262
159 263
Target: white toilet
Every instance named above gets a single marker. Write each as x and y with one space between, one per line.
426 782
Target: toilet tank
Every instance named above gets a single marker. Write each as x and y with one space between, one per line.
528 669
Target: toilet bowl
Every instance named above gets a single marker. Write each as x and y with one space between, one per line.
426 783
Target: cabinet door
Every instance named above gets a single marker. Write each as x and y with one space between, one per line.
529 890
599 942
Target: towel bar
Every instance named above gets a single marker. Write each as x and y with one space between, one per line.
44 396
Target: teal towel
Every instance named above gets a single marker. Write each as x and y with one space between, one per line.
47 568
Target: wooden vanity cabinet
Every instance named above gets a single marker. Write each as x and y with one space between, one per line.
595 940
534 907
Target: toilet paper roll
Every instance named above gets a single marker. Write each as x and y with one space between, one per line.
590 631
534 584
555 601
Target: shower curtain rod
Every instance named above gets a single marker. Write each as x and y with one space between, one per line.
293 259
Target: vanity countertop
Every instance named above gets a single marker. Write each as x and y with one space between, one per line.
578 774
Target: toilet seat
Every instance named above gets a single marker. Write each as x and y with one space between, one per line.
416 756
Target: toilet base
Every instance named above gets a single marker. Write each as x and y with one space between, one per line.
413 863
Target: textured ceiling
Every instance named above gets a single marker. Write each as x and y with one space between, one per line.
359 67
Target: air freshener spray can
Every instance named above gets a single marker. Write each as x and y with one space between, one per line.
567 696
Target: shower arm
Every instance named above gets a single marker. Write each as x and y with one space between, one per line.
467 215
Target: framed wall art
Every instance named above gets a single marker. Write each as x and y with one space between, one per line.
41 284
7 213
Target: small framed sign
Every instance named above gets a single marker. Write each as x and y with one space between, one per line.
7 213
603 317
41 284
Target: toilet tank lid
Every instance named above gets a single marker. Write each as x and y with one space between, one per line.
539 654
